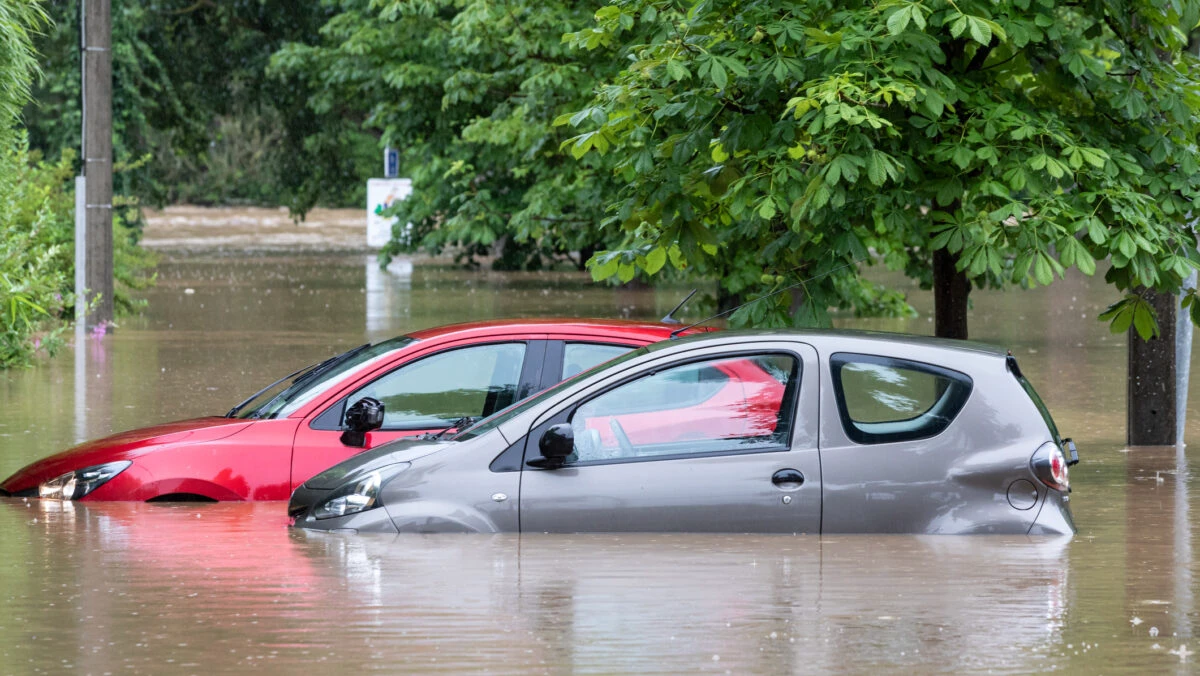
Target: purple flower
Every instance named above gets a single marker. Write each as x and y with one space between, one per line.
99 330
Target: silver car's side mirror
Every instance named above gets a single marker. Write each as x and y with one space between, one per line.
556 444
363 416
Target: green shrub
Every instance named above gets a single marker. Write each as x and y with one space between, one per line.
37 253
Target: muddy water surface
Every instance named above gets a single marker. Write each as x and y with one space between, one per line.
128 588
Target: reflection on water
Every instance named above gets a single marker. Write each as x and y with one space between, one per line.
184 589
148 583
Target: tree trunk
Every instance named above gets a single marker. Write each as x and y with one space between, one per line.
1150 407
950 291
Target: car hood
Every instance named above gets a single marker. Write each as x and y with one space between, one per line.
404 450
123 446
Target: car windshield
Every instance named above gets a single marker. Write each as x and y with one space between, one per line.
284 397
500 417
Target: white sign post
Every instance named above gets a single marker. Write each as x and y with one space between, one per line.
381 194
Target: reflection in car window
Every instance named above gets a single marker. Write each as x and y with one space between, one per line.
883 399
579 357
714 406
437 390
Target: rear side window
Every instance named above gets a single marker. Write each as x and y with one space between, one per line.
882 399
579 357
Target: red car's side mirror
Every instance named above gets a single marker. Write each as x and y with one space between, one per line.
363 416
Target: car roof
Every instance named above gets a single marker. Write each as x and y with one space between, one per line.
613 328
827 339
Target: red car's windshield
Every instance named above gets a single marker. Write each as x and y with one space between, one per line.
303 386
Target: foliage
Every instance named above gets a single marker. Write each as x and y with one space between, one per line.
468 90
784 139
19 22
37 254
190 91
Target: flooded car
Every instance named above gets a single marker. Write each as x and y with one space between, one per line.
428 381
754 432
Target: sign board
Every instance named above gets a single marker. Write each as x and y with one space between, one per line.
391 163
381 194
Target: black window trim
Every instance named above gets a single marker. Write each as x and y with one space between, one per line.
331 419
531 439
839 359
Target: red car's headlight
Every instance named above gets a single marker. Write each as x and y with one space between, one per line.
78 483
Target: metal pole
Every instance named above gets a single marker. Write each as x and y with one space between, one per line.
80 250
1183 362
97 158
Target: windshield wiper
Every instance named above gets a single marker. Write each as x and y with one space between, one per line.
458 425
305 374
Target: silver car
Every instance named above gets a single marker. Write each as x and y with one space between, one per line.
747 432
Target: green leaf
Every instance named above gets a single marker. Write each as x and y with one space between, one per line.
1042 271
980 31
875 171
959 25
655 260
1084 261
766 210
963 157
602 270
718 74
676 70
1144 321
899 19
1119 314
1055 168
625 272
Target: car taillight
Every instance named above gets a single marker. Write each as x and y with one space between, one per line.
1050 466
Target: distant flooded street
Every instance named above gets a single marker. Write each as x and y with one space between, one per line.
244 297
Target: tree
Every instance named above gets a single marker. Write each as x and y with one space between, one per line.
194 110
968 143
468 91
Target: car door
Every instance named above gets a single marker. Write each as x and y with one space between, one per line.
426 394
723 441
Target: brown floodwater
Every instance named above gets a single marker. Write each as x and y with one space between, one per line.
244 297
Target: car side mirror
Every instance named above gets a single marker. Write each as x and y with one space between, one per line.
556 444
363 416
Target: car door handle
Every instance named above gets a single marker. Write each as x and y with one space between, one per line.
788 479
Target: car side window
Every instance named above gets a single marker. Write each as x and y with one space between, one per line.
716 406
437 390
882 399
579 357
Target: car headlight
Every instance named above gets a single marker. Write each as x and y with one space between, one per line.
357 496
78 483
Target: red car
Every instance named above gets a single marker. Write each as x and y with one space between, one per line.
429 381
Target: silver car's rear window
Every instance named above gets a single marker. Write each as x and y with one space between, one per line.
884 399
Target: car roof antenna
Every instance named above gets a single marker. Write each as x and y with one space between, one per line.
669 319
676 332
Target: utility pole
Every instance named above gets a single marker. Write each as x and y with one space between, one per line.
96 53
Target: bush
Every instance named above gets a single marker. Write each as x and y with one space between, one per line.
37 254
